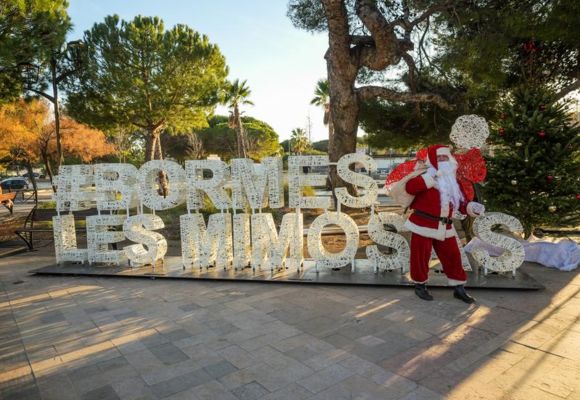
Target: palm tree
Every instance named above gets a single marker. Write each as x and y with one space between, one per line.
299 140
322 99
236 95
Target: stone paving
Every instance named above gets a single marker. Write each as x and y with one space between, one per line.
99 339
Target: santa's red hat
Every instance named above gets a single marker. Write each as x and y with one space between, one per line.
437 150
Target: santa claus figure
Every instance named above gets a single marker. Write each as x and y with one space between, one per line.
437 194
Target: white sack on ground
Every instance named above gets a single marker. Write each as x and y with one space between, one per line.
563 254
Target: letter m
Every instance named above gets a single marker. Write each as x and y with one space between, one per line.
204 246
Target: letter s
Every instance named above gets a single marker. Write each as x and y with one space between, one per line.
138 229
513 256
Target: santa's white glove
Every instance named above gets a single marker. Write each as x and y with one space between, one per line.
430 177
432 172
475 209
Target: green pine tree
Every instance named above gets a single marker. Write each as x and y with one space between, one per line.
534 163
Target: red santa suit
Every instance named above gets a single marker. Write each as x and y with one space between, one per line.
431 224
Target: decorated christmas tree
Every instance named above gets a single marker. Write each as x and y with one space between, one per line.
534 161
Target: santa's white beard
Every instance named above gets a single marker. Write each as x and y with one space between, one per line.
448 186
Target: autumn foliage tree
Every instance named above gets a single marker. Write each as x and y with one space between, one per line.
79 142
27 135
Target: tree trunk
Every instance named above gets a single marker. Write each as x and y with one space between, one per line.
330 184
342 71
151 144
59 154
163 181
196 146
48 170
330 126
153 151
344 111
240 134
245 139
158 153
344 134
32 180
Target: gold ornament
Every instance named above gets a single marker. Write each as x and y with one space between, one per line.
519 144
552 209
514 182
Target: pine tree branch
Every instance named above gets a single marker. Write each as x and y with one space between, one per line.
385 51
435 8
364 40
370 92
40 93
408 25
412 71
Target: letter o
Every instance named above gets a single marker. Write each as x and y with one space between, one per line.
148 175
316 249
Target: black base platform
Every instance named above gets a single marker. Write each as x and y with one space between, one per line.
361 274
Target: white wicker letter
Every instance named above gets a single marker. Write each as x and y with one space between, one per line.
138 229
274 172
513 256
251 182
361 180
65 240
401 256
316 249
74 188
269 248
203 246
297 179
213 187
148 177
99 236
112 180
242 246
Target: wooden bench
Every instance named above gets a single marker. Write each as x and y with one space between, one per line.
7 200
39 220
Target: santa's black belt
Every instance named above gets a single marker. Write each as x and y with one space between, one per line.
433 217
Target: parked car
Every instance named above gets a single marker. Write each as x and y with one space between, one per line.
35 174
14 183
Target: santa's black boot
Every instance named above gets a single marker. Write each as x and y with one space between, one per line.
460 293
422 292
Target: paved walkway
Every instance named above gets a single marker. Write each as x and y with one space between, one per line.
97 339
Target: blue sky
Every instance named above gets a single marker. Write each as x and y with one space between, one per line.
280 62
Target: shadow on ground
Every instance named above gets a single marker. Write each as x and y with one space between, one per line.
97 338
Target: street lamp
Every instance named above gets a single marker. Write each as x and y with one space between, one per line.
73 52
